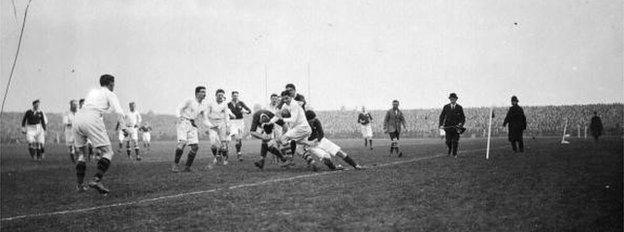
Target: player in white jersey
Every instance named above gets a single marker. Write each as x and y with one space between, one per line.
188 113
299 128
146 135
133 120
68 124
89 143
89 124
218 114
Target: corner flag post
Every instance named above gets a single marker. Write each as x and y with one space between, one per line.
487 151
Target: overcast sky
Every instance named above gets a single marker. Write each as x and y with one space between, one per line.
358 52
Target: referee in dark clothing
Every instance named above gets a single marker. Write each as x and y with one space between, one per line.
452 120
516 122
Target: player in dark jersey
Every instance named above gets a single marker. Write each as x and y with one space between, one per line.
237 124
262 129
322 147
34 126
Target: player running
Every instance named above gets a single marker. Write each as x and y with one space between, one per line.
34 125
146 135
68 123
237 124
299 129
322 148
89 124
187 113
365 119
133 120
89 143
218 115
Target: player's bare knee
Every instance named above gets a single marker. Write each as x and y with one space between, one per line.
194 148
181 144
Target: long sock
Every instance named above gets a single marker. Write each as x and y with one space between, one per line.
277 153
38 153
370 141
71 156
329 163
190 158
81 168
238 146
349 161
214 151
365 142
178 155
90 150
293 147
136 151
32 152
102 166
264 148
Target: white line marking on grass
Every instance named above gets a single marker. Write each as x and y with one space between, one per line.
270 181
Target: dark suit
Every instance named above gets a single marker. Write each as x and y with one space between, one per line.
596 127
517 124
451 118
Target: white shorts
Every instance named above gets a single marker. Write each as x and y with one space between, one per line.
90 125
147 137
133 133
35 134
299 134
324 149
69 137
121 137
367 131
237 126
220 133
186 132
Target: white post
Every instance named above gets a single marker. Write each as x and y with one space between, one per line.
585 134
565 127
578 131
487 151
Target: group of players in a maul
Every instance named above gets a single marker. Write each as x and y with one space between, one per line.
282 126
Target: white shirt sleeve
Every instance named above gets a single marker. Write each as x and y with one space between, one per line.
181 108
139 119
65 119
294 114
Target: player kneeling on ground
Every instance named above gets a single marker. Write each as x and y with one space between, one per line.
322 147
262 129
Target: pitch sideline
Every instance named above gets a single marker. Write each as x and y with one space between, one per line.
270 181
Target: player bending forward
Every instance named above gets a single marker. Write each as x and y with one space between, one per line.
322 148
218 116
267 132
89 125
299 129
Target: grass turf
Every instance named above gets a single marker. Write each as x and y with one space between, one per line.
551 187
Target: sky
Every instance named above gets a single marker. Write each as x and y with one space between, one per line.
338 53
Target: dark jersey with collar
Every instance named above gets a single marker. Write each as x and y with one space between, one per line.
317 130
256 121
33 118
364 118
237 109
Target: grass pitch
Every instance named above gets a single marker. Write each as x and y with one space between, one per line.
550 187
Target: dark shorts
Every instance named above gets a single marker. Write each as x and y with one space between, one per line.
394 135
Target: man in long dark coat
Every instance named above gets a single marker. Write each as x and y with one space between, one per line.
596 126
516 122
452 120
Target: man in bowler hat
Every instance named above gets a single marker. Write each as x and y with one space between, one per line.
452 120
516 122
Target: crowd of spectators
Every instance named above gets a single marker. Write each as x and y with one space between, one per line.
421 123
